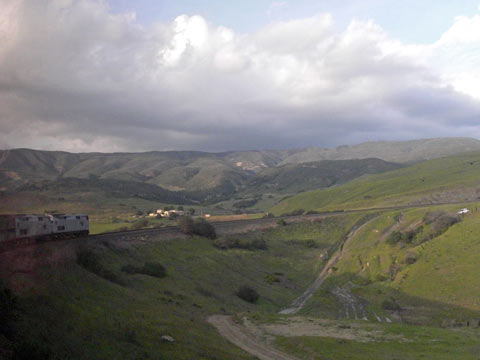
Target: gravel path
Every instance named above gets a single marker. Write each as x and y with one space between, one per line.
241 337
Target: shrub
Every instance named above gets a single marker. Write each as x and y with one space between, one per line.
394 238
259 244
87 259
140 224
186 225
245 203
443 222
204 228
281 222
270 279
247 294
154 269
149 268
199 227
397 218
390 304
410 258
225 243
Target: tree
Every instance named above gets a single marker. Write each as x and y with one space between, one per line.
180 208
186 225
203 228
191 211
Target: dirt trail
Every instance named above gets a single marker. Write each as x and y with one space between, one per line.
241 337
300 302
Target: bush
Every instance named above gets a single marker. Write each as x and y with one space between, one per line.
245 203
394 238
204 228
442 223
410 258
225 243
390 304
270 279
199 227
186 225
87 259
140 224
154 269
281 222
247 294
149 268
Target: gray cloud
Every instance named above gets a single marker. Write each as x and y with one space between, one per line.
74 76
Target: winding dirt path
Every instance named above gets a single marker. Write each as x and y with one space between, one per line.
300 302
245 340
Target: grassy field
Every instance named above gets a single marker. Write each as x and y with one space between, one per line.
102 312
427 275
82 315
405 342
441 180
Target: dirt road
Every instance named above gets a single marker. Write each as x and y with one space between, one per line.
241 337
300 302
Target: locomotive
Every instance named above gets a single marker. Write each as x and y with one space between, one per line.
17 230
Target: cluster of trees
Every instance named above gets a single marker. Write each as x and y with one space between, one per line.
198 226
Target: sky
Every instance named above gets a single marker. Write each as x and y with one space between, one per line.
118 75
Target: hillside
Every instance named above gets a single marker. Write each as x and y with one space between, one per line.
194 171
395 151
454 178
97 299
293 178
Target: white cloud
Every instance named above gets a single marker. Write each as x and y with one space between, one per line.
77 77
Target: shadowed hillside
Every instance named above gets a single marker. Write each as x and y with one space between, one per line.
454 178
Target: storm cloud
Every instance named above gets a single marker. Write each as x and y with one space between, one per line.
75 76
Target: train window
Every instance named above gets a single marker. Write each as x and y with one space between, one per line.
78 217
59 228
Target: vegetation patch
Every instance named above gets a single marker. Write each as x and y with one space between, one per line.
248 294
199 226
87 259
149 268
229 242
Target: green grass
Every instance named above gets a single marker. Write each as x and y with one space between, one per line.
443 282
82 315
415 342
440 180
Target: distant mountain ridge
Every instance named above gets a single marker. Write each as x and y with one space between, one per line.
194 171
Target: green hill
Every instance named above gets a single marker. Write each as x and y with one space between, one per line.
454 178
293 178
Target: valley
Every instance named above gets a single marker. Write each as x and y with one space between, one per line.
377 265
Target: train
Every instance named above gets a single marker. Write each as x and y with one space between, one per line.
23 229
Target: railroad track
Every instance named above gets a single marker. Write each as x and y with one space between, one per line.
219 225
270 220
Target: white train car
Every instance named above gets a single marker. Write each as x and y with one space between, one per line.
73 224
18 230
